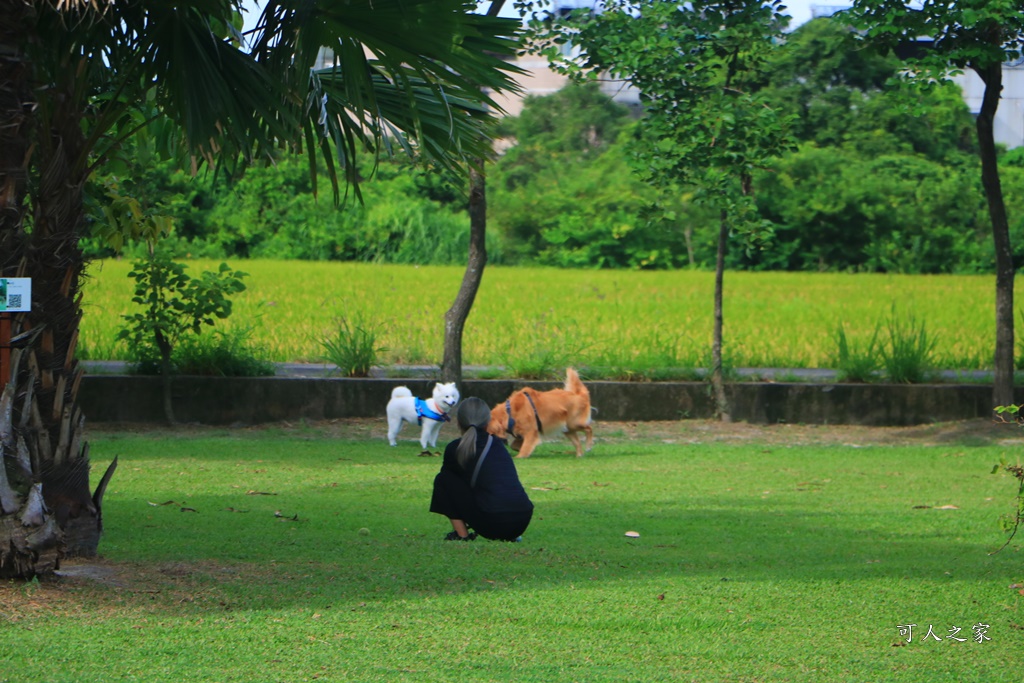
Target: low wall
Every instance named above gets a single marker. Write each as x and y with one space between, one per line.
228 401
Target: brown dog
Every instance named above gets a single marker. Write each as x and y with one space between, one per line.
528 413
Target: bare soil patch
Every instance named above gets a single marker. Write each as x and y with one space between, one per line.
976 432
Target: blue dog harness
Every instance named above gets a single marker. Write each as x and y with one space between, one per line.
512 422
422 411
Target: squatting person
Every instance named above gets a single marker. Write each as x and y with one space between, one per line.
478 488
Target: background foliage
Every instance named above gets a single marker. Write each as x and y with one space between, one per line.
882 181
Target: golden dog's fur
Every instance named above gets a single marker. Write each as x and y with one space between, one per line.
566 410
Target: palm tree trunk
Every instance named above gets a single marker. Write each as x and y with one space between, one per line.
30 543
455 318
1002 394
15 105
40 422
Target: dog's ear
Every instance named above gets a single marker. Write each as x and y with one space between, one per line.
496 425
497 428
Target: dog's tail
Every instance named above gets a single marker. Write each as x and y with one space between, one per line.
574 384
398 392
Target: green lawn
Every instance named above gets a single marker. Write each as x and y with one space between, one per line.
755 562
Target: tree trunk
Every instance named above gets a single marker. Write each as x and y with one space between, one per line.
688 238
30 541
717 380
15 105
455 318
165 377
1002 394
41 425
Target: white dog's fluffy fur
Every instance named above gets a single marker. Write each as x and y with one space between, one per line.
402 408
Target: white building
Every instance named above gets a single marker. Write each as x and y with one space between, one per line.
1009 124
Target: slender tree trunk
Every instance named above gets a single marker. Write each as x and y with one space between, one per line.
688 237
166 368
717 379
455 318
1002 394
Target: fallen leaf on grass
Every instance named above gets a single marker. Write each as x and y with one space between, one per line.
259 493
156 505
947 507
189 510
277 513
633 534
234 510
600 484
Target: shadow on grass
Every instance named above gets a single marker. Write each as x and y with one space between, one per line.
275 562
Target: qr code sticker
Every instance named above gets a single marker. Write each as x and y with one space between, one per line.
14 301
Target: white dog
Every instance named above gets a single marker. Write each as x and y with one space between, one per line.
403 407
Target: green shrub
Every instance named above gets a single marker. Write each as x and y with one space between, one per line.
221 353
224 353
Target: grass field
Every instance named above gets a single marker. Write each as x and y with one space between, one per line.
235 556
600 318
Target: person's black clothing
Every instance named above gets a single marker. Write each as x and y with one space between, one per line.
497 507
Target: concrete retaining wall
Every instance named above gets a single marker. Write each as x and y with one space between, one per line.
227 401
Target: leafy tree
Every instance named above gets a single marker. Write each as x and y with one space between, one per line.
979 35
78 78
837 210
577 118
174 304
564 194
838 90
706 126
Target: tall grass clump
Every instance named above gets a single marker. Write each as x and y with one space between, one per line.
909 355
352 345
544 352
856 362
659 355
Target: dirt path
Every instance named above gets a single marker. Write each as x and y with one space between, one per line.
968 432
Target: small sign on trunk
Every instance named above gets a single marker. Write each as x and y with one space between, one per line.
15 294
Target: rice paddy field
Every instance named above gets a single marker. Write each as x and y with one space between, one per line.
584 317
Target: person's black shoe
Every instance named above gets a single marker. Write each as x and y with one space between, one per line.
454 536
